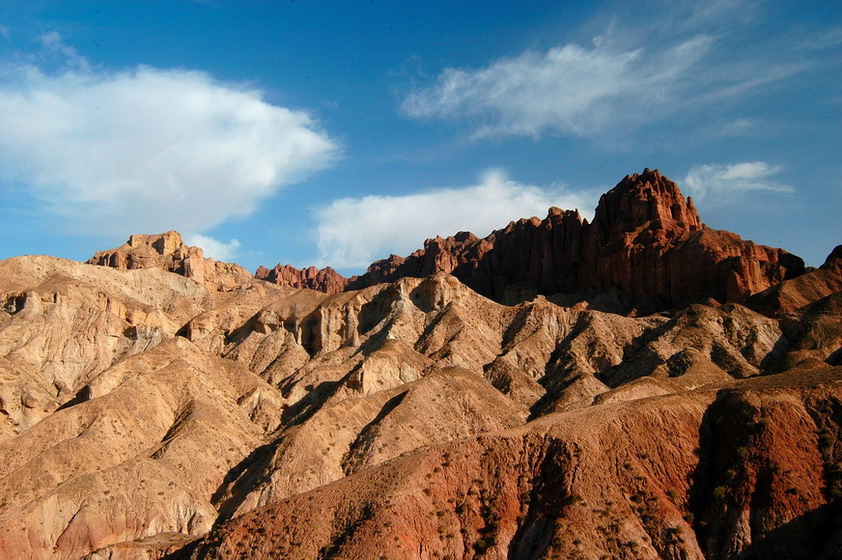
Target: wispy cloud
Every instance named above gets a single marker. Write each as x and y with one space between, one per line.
214 248
609 87
147 149
352 232
821 41
728 181
5 32
54 44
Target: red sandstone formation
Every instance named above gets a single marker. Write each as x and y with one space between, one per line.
325 280
646 248
791 295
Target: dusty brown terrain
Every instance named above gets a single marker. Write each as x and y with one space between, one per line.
168 406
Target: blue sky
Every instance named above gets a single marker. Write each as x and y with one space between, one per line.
337 133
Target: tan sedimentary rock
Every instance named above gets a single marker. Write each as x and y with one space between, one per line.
168 251
149 413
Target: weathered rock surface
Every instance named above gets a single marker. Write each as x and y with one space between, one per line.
168 251
142 455
323 280
646 248
148 413
791 295
714 473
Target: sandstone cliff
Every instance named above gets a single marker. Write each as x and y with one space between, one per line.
324 280
168 251
646 248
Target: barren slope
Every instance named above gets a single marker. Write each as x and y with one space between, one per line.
745 468
143 407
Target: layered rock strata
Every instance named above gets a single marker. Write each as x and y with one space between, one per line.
646 248
168 251
141 410
324 280
148 412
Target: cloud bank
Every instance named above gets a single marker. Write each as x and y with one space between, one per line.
147 149
728 181
353 232
632 75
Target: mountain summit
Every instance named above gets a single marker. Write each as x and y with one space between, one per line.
166 406
646 250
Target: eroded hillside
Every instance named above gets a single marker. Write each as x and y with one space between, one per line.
166 405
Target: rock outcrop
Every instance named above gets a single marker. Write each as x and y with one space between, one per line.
732 472
791 295
324 280
166 406
646 248
168 251
140 410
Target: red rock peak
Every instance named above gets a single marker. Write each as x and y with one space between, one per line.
644 200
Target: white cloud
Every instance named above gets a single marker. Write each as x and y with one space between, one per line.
629 77
54 44
569 89
214 248
5 32
353 232
147 149
730 180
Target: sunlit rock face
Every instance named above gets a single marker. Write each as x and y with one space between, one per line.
150 411
646 250
323 280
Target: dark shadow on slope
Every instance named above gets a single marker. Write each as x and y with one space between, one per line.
719 474
517 324
544 405
253 471
82 395
349 463
373 312
816 535
555 378
773 362
244 477
546 503
299 412
735 472
345 533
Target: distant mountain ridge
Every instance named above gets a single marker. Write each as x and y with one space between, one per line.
647 249
324 280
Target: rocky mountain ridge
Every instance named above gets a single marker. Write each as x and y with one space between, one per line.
148 412
169 252
646 250
324 280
